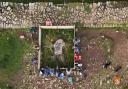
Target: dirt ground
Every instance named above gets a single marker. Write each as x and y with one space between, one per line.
93 55
120 47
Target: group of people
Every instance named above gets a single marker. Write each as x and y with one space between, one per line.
117 74
58 73
34 60
33 32
61 74
77 56
68 73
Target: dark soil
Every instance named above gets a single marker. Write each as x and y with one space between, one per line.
93 55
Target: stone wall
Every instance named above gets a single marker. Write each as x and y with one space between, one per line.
19 15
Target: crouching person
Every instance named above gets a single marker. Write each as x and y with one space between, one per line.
69 75
70 80
44 72
61 75
68 72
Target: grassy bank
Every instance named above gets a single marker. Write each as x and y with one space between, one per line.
12 50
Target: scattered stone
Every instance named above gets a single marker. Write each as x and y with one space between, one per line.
8 8
100 82
108 81
59 16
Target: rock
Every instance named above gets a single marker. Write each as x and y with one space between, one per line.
8 8
108 81
34 87
1 17
117 31
127 66
4 19
5 4
108 50
46 79
100 82
102 36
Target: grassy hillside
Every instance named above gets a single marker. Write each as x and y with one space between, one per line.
11 54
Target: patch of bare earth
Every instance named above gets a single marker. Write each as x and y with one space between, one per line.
93 55
92 59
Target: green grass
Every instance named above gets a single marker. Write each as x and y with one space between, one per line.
107 44
12 50
49 37
100 29
125 87
6 86
87 8
73 5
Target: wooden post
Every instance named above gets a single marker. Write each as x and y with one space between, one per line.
74 45
39 53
